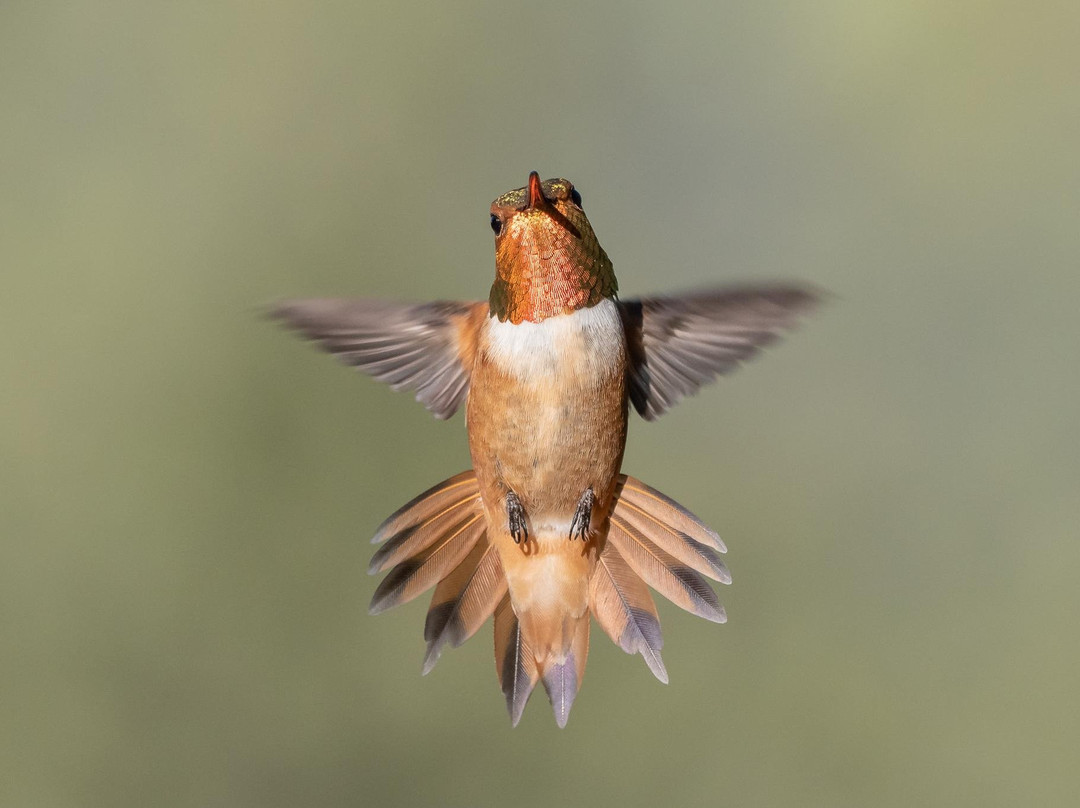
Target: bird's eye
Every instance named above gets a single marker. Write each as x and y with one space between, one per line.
496 224
575 197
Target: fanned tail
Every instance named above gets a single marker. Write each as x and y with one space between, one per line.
542 609
550 648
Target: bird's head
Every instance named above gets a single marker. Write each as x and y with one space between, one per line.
547 258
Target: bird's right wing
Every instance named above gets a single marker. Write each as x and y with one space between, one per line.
426 347
677 344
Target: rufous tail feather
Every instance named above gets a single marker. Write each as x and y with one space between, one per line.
463 600
440 539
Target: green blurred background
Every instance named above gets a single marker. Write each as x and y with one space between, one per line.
186 492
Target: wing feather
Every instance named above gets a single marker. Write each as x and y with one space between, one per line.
407 345
678 344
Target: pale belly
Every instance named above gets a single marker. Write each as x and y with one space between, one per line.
547 417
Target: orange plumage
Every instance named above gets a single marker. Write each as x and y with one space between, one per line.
545 533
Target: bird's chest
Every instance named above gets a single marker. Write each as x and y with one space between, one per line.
547 405
581 350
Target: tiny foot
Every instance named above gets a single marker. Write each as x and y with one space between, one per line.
579 526
515 515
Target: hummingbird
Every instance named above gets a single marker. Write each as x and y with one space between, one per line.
545 532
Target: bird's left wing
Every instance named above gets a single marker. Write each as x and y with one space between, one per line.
426 347
677 344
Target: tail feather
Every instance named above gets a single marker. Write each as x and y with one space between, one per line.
414 539
440 539
562 673
423 506
621 603
514 660
463 600
665 509
666 574
414 576
698 556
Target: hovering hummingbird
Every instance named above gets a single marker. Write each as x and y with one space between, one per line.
545 531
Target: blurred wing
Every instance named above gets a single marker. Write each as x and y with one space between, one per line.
425 347
677 344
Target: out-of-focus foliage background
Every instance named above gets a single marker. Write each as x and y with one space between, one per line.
186 492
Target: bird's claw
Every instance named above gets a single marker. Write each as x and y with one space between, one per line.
515 515
579 525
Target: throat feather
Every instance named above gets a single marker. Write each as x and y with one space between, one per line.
544 274
587 344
